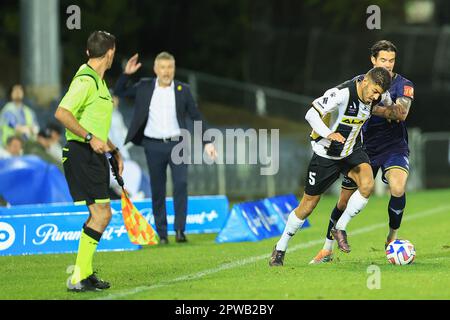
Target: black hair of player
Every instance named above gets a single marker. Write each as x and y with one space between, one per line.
380 76
99 42
382 45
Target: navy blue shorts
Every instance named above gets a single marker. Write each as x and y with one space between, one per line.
385 162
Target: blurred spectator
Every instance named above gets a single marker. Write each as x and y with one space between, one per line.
3 153
132 173
56 132
118 131
16 118
14 147
40 147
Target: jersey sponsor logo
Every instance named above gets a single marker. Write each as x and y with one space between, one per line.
352 121
352 109
408 91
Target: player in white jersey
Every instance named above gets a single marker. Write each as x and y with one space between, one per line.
336 119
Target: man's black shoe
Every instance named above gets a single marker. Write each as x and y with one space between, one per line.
163 241
98 283
82 286
91 283
180 237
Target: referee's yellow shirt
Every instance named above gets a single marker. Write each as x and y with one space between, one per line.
89 100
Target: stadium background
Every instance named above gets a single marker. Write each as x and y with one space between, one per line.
251 64
265 57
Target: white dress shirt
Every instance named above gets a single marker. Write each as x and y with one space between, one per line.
162 116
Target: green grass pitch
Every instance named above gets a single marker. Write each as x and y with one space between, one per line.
202 269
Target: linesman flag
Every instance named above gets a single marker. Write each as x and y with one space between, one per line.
139 230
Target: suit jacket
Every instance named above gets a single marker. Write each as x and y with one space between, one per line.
142 93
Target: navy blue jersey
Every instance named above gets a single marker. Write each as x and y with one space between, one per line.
381 136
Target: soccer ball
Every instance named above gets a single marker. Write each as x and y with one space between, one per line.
400 252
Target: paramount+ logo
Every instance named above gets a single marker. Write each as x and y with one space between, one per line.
7 236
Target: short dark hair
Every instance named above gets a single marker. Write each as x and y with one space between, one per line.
99 42
380 76
45 133
382 45
12 138
53 126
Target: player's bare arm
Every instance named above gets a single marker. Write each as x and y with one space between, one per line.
405 105
70 122
398 111
392 112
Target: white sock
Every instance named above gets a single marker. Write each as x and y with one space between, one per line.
328 244
355 204
292 225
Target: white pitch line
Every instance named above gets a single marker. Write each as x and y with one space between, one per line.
249 260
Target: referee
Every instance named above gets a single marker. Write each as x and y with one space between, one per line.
86 112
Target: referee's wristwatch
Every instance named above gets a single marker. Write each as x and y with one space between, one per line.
88 137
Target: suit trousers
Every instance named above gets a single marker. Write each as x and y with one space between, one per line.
158 154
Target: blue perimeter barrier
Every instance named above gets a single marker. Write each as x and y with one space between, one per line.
36 229
258 220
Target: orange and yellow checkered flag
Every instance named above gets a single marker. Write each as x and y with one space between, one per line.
139 230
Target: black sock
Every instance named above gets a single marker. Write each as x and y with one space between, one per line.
395 209
92 233
335 215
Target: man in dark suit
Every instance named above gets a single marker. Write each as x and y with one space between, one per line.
161 106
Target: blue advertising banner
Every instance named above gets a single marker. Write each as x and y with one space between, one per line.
56 233
280 207
57 228
206 214
257 220
248 221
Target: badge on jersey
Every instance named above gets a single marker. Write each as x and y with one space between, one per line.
352 110
408 91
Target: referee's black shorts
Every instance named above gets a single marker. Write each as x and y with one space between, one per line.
87 173
323 172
